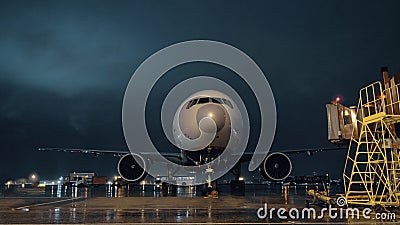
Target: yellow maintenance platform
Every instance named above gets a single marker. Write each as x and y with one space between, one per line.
372 171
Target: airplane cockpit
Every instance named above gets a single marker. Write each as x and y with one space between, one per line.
205 100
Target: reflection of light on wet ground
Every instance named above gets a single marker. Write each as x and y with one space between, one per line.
73 215
54 215
178 217
110 204
142 216
285 191
111 215
209 211
149 191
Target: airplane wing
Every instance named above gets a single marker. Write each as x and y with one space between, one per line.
309 151
94 152
246 155
174 157
97 152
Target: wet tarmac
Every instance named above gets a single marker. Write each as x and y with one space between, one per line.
148 205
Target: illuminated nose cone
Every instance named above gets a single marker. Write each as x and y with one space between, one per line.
207 125
211 112
200 125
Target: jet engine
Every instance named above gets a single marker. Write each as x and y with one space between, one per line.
276 167
130 170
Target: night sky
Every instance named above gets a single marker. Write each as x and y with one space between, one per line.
64 67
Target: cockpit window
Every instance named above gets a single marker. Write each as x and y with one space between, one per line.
191 103
216 100
228 103
203 100
207 100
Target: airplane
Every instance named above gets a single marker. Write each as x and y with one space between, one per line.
191 137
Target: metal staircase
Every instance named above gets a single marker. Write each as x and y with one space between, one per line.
372 171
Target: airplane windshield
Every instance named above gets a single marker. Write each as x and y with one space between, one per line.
216 100
191 103
228 103
207 100
203 100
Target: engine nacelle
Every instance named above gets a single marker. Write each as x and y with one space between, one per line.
130 170
276 167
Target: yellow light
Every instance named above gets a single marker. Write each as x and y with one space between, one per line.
210 115
241 178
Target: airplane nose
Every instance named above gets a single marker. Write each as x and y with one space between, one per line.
214 112
208 125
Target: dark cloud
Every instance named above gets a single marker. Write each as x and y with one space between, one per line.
64 67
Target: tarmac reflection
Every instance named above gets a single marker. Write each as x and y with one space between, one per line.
142 204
